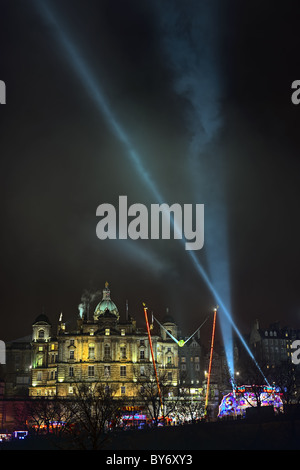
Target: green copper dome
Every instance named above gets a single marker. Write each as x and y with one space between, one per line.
106 304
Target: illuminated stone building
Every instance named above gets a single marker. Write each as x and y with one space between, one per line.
104 349
190 355
272 346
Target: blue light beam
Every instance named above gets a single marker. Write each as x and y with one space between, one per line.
191 42
93 88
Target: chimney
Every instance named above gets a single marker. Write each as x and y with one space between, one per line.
127 316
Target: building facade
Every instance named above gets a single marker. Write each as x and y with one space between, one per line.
16 373
102 350
273 345
109 349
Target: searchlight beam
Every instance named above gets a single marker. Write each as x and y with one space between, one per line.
92 86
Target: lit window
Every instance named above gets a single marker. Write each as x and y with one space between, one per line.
122 331
107 350
107 331
123 352
91 351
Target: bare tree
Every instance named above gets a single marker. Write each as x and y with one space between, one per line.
43 415
189 406
95 411
158 405
287 381
83 421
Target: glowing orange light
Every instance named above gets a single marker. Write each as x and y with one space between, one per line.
153 360
210 359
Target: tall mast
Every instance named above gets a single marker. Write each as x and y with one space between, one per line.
153 360
210 359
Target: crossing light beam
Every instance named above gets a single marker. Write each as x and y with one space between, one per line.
91 84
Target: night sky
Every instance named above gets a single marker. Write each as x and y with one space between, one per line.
203 91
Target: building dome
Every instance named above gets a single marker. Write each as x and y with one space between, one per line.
42 318
106 305
41 329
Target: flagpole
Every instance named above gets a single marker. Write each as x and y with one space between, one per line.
152 353
210 359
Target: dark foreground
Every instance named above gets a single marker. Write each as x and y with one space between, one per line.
231 435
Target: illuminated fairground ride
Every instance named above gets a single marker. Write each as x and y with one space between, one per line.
236 402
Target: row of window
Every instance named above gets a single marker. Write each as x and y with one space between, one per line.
183 366
192 359
71 391
276 349
282 342
107 353
274 333
122 389
107 371
52 375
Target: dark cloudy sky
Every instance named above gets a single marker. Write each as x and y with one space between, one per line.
203 91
